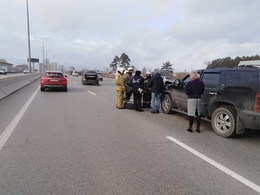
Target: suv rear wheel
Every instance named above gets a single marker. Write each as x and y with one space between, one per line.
166 104
223 121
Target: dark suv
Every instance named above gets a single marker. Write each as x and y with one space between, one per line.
90 77
231 99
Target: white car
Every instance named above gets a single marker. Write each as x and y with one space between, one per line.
26 71
75 73
167 79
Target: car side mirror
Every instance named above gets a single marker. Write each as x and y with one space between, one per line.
65 75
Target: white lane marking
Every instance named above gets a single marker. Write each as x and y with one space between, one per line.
10 128
217 165
91 92
74 83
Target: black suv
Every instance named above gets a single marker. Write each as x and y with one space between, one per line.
90 77
231 99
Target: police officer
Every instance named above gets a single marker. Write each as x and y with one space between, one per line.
120 88
137 83
147 91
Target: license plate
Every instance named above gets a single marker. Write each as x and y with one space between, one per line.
54 80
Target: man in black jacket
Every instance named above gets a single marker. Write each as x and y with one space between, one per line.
156 84
137 84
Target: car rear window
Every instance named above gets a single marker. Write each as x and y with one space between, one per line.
56 74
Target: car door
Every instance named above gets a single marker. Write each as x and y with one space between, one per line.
211 80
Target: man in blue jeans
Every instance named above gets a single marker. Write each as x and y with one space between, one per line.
156 85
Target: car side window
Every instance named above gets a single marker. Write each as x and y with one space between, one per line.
186 80
246 79
211 80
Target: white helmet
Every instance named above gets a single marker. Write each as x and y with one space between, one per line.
148 72
121 70
130 68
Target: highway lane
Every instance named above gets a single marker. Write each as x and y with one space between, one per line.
77 142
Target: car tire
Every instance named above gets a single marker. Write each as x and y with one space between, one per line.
223 121
42 88
166 104
65 89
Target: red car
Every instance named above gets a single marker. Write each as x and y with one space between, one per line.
53 79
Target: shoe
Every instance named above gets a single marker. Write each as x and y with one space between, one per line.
157 112
140 110
189 129
198 130
152 112
121 108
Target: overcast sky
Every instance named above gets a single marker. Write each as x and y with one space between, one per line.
90 33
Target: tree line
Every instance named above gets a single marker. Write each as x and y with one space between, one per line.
167 69
229 62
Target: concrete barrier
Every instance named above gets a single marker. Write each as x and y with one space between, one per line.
9 85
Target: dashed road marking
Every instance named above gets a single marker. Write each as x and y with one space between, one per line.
91 92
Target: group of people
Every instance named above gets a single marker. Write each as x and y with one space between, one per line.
146 91
150 88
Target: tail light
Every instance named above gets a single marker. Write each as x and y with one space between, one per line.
84 77
257 102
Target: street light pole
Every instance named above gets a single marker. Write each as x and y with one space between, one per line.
42 47
29 45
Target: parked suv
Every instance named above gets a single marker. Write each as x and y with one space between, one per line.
231 99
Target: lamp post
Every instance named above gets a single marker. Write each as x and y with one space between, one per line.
29 45
42 47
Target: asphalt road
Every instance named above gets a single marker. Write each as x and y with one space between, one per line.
77 142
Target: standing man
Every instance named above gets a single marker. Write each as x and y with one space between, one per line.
194 89
156 83
127 78
147 91
120 88
137 83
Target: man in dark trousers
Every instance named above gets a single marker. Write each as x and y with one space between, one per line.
137 84
147 91
156 84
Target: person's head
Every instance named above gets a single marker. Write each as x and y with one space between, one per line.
121 70
194 75
138 72
148 74
130 70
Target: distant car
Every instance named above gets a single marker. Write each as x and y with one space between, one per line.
53 79
75 73
168 79
26 71
100 76
90 77
2 71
